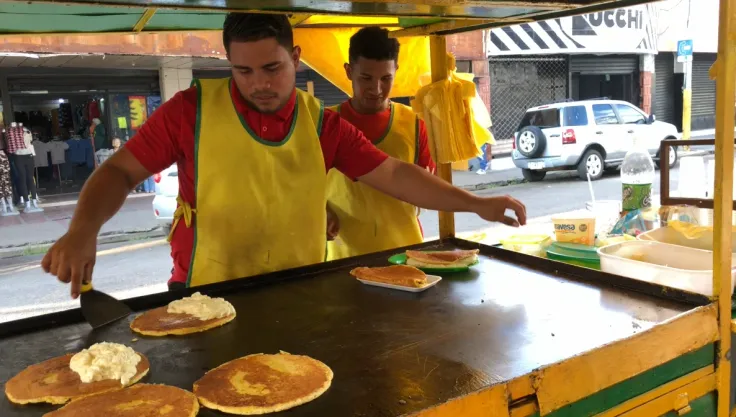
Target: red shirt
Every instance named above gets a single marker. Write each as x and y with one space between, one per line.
167 137
374 126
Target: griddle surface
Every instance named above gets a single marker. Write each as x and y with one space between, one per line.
392 352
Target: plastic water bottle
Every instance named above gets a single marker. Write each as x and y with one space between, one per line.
637 176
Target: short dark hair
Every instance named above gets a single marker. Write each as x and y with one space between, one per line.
373 42
251 27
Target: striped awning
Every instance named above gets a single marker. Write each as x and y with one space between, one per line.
625 30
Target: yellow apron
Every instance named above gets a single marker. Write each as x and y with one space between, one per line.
371 221
260 206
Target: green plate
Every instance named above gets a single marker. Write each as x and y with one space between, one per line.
400 259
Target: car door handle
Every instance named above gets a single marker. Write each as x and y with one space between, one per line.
630 131
599 132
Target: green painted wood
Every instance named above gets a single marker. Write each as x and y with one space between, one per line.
411 22
705 406
638 385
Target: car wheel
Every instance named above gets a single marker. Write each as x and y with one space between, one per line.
533 176
673 157
530 142
592 163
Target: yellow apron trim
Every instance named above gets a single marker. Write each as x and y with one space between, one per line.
183 210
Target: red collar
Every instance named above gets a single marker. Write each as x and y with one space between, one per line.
243 108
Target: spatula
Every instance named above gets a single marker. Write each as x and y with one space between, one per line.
99 308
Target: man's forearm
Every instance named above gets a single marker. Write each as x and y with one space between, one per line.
415 185
102 196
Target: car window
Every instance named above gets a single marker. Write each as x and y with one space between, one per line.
543 119
630 115
576 116
604 114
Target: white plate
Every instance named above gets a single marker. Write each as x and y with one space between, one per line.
537 165
432 280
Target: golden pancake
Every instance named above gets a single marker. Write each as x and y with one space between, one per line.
442 258
137 401
260 384
52 381
404 275
159 322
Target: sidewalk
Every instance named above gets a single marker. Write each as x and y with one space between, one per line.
19 233
502 172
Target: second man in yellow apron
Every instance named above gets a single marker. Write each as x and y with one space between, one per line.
361 219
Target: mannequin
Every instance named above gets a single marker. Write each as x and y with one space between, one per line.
19 145
99 134
6 190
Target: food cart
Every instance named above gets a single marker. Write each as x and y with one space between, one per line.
515 336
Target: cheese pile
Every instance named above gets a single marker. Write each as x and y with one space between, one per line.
202 307
106 361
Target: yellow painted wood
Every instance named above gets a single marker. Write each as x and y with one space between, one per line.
145 18
576 378
722 213
733 326
521 387
675 400
430 29
488 402
659 392
524 409
296 19
438 52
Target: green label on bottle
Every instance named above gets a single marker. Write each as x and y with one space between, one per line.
636 196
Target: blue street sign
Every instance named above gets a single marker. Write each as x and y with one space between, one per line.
684 50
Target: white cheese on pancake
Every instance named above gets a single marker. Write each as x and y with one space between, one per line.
105 361
202 307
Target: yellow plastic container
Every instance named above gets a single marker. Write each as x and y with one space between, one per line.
580 230
535 245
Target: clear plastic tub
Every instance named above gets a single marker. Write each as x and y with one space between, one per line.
673 266
671 235
535 245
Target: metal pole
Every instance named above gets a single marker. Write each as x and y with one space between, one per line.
438 54
687 95
723 206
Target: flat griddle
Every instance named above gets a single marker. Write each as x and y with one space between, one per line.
392 352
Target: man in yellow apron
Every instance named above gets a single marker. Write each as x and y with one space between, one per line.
361 219
253 154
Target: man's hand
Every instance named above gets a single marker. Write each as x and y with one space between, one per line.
494 209
72 258
333 224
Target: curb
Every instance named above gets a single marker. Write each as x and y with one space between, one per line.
492 184
39 248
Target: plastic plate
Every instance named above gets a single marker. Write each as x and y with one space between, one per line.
400 259
432 280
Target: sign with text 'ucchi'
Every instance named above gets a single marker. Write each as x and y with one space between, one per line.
629 30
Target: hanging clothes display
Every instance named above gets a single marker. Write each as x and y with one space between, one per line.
6 189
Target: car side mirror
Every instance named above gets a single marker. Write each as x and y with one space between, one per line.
651 119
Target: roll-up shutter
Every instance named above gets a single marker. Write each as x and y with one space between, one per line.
323 89
703 106
664 88
604 64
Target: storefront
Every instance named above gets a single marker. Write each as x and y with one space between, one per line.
579 57
75 115
667 92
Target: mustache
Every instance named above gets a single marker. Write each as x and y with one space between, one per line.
264 95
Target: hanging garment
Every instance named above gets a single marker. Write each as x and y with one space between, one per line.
58 151
260 206
6 189
371 221
16 142
41 159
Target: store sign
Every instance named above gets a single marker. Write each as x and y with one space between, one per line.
625 30
685 50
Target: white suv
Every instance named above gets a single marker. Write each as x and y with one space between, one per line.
588 136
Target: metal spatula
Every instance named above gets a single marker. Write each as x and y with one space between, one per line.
99 308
